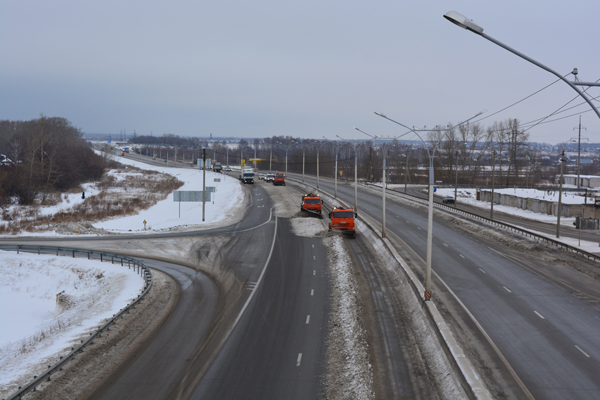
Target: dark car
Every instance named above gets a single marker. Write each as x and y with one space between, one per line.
448 200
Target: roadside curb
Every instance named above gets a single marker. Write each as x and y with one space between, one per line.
473 383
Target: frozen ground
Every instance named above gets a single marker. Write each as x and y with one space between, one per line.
35 330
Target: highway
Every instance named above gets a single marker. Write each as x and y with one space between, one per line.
268 342
277 350
541 314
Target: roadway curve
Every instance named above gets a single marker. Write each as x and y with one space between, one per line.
274 349
541 314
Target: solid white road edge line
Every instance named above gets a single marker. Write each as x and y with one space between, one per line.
257 282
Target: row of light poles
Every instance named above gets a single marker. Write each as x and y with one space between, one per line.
471 26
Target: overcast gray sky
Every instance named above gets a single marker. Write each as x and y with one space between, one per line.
299 68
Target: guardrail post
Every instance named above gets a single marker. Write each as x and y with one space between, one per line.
39 247
57 252
17 249
112 259
73 253
100 257
121 262
88 255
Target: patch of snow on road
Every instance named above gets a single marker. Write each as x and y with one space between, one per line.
35 332
349 373
307 227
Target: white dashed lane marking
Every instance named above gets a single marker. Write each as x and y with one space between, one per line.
299 359
584 353
538 314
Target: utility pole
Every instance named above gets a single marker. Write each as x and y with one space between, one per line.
579 154
406 171
204 181
493 176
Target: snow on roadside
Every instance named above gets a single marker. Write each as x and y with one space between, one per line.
349 373
35 333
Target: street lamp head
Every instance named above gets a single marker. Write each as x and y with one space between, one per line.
463 22
380 114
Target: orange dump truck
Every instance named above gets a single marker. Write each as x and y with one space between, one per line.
342 219
279 179
312 203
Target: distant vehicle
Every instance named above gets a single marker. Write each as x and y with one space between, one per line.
228 169
279 179
342 219
312 203
247 176
270 177
448 200
262 176
217 167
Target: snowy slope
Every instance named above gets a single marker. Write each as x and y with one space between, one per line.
33 330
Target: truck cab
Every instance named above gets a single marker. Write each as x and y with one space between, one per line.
247 175
342 219
312 203
279 179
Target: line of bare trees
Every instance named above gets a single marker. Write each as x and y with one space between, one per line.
44 156
465 153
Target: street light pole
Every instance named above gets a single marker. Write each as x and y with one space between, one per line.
493 176
356 146
384 148
468 24
427 293
406 172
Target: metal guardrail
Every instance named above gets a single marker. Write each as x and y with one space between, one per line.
509 227
130 262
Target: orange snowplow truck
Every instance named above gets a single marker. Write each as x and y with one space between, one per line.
312 203
279 179
342 219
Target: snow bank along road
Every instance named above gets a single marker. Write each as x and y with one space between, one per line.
538 309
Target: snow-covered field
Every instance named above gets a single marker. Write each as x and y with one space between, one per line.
165 214
35 330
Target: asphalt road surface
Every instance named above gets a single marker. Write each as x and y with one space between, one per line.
277 349
544 318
